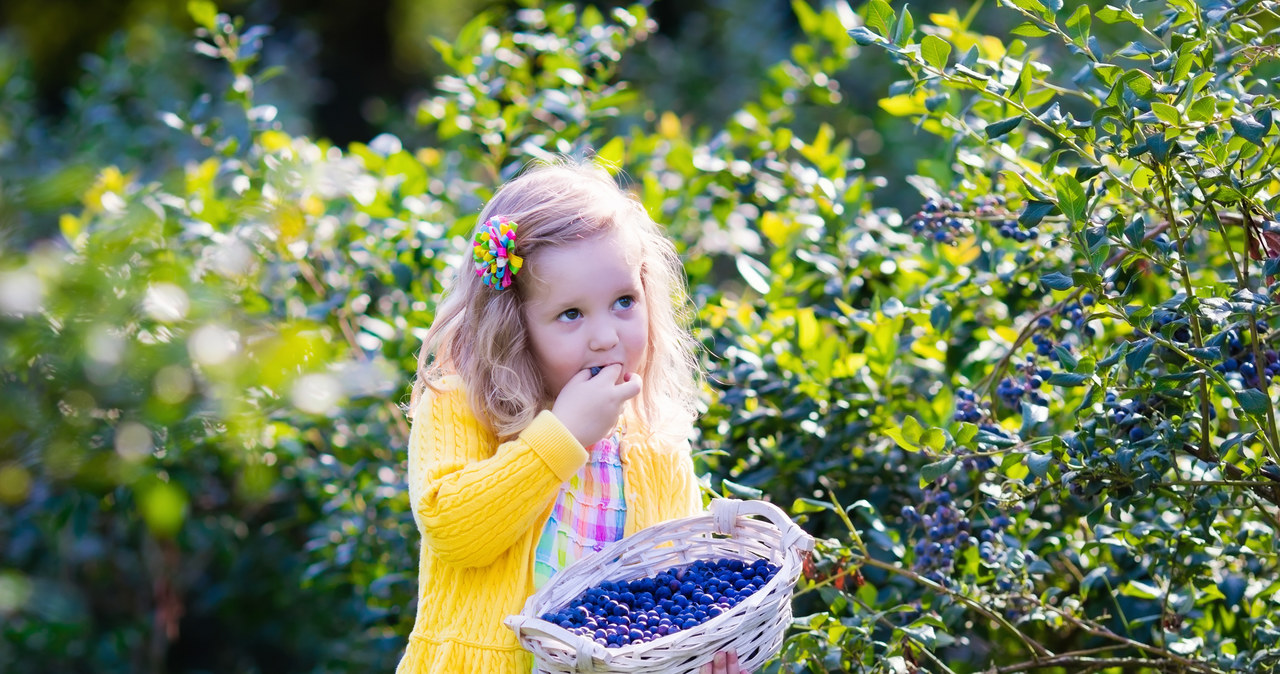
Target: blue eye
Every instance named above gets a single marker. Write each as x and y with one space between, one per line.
625 302
570 315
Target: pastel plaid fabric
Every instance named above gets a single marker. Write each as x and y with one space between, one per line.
590 512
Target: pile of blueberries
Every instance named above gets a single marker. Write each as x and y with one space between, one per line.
622 613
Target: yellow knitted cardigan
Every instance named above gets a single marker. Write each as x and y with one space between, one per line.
480 507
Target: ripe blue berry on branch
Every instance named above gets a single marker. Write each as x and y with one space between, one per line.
944 220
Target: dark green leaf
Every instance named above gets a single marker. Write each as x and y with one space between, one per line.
932 471
1034 212
1114 356
940 317
1084 173
740 491
1039 464
1250 129
863 36
1139 352
1253 401
1067 379
1000 128
1136 231
1056 281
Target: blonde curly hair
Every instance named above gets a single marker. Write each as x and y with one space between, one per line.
479 333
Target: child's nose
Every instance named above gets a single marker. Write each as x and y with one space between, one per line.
604 336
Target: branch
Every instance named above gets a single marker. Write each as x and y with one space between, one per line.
1074 662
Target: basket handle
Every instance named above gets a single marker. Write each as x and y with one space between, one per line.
583 648
725 513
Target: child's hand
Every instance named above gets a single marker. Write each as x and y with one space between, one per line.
590 406
725 662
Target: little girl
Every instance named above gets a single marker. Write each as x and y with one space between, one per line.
551 413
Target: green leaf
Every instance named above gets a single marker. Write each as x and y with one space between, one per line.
934 439
1250 128
1080 21
1084 173
1067 379
864 36
1136 231
931 472
940 317
1253 401
1028 29
1202 109
912 430
907 436
808 505
1065 357
902 31
740 491
1138 354
1113 14
1034 212
1165 113
878 16
1039 464
1137 588
996 129
1057 281
1071 198
935 51
1030 5
204 13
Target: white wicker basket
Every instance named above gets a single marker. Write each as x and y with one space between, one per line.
754 628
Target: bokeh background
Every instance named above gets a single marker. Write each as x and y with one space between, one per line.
924 311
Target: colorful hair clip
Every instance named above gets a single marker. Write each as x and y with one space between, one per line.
494 253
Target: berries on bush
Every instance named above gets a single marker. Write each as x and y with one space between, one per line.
943 220
945 532
1240 366
1026 383
616 614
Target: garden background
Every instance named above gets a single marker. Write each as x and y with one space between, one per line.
985 294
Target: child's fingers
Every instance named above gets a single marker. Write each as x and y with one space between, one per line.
630 386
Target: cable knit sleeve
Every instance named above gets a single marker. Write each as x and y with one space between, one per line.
472 497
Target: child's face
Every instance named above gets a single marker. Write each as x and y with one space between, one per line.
587 308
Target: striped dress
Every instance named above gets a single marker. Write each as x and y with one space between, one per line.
589 513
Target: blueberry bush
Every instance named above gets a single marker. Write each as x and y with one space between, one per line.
1030 418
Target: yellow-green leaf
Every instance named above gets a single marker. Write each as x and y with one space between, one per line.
935 51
